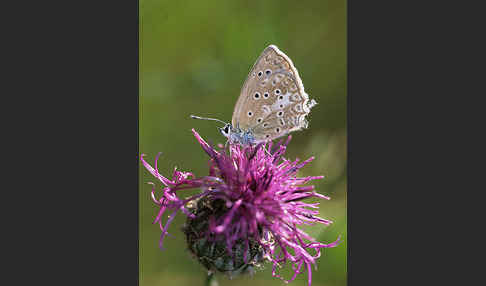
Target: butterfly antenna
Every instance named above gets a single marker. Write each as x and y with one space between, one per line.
207 118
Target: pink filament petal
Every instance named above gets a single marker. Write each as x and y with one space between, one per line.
228 218
153 171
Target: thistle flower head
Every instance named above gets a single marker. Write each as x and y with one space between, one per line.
248 209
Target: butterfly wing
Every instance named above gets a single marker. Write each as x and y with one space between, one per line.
272 101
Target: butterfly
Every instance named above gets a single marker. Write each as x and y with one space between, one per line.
272 102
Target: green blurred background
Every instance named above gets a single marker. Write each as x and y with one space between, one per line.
194 58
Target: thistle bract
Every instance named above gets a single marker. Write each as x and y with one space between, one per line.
211 250
248 209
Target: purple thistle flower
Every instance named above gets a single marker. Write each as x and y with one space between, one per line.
250 200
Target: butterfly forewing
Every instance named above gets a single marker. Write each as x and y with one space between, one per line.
272 101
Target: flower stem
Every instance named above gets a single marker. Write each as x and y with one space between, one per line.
211 280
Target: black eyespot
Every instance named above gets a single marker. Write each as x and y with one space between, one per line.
268 135
277 91
257 95
265 124
281 106
277 129
260 73
280 97
265 94
280 113
268 72
226 129
259 120
250 113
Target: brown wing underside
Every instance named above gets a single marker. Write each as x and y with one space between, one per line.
272 101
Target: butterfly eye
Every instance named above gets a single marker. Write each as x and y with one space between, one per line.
277 130
250 114
277 91
257 95
265 95
260 73
280 97
259 120
280 113
226 129
268 72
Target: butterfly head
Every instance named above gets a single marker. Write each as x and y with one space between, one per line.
226 130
